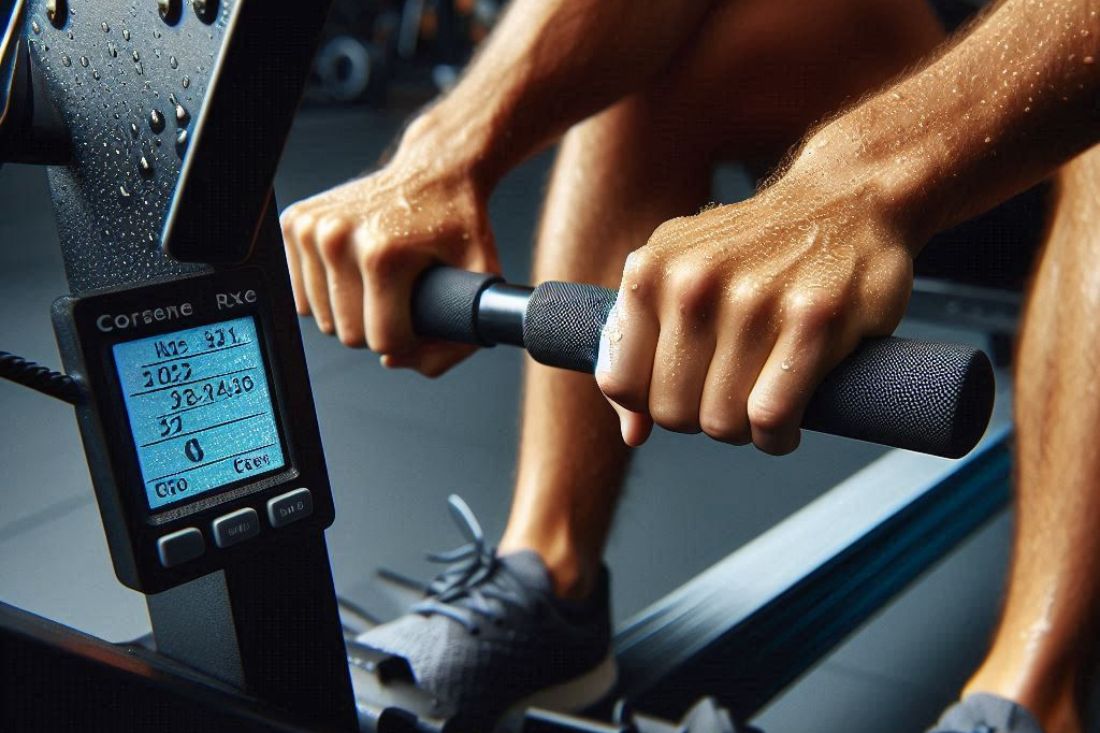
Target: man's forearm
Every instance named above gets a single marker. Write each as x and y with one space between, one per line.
550 64
995 114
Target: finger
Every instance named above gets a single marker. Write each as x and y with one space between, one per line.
388 276
431 359
745 339
313 272
293 263
684 350
635 427
625 364
343 279
786 382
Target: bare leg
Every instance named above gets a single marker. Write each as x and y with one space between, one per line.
755 77
1047 638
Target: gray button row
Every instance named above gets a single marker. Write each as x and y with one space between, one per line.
244 524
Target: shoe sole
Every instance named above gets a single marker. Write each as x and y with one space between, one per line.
571 696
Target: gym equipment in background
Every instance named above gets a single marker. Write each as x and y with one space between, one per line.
163 122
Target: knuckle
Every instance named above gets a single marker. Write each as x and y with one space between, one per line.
622 390
332 240
674 418
379 259
641 264
770 414
302 229
748 296
725 427
815 311
351 336
696 290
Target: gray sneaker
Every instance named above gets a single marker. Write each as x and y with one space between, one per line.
985 713
491 639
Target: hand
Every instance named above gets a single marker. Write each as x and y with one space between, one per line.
727 321
354 252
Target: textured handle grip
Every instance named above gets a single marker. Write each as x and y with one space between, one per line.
445 304
929 397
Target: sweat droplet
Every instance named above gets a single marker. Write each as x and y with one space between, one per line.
786 365
615 337
634 286
156 121
1089 60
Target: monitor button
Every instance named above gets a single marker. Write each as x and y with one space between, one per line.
290 507
241 525
180 547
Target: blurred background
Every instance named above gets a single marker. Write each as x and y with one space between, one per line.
397 444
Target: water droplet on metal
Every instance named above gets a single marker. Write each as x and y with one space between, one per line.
156 33
186 82
145 167
113 50
182 115
65 60
173 62
105 26
35 27
181 142
134 131
95 74
156 121
140 68
124 192
84 61
126 33
136 55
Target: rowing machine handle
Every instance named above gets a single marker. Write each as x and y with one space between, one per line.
924 396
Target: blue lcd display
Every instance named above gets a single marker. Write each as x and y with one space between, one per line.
200 409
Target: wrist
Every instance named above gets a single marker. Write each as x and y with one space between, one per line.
449 139
893 182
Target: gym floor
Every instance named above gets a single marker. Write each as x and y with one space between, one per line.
397 445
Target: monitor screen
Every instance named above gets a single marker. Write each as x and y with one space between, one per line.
200 409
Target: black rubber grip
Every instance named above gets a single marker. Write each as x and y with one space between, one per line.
930 397
445 304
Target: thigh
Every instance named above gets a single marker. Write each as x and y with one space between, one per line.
760 72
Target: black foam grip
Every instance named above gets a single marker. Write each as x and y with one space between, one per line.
445 304
930 397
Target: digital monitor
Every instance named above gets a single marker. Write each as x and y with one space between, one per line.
200 408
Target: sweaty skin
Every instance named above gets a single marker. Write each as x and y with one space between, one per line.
727 321
355 251
999 110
